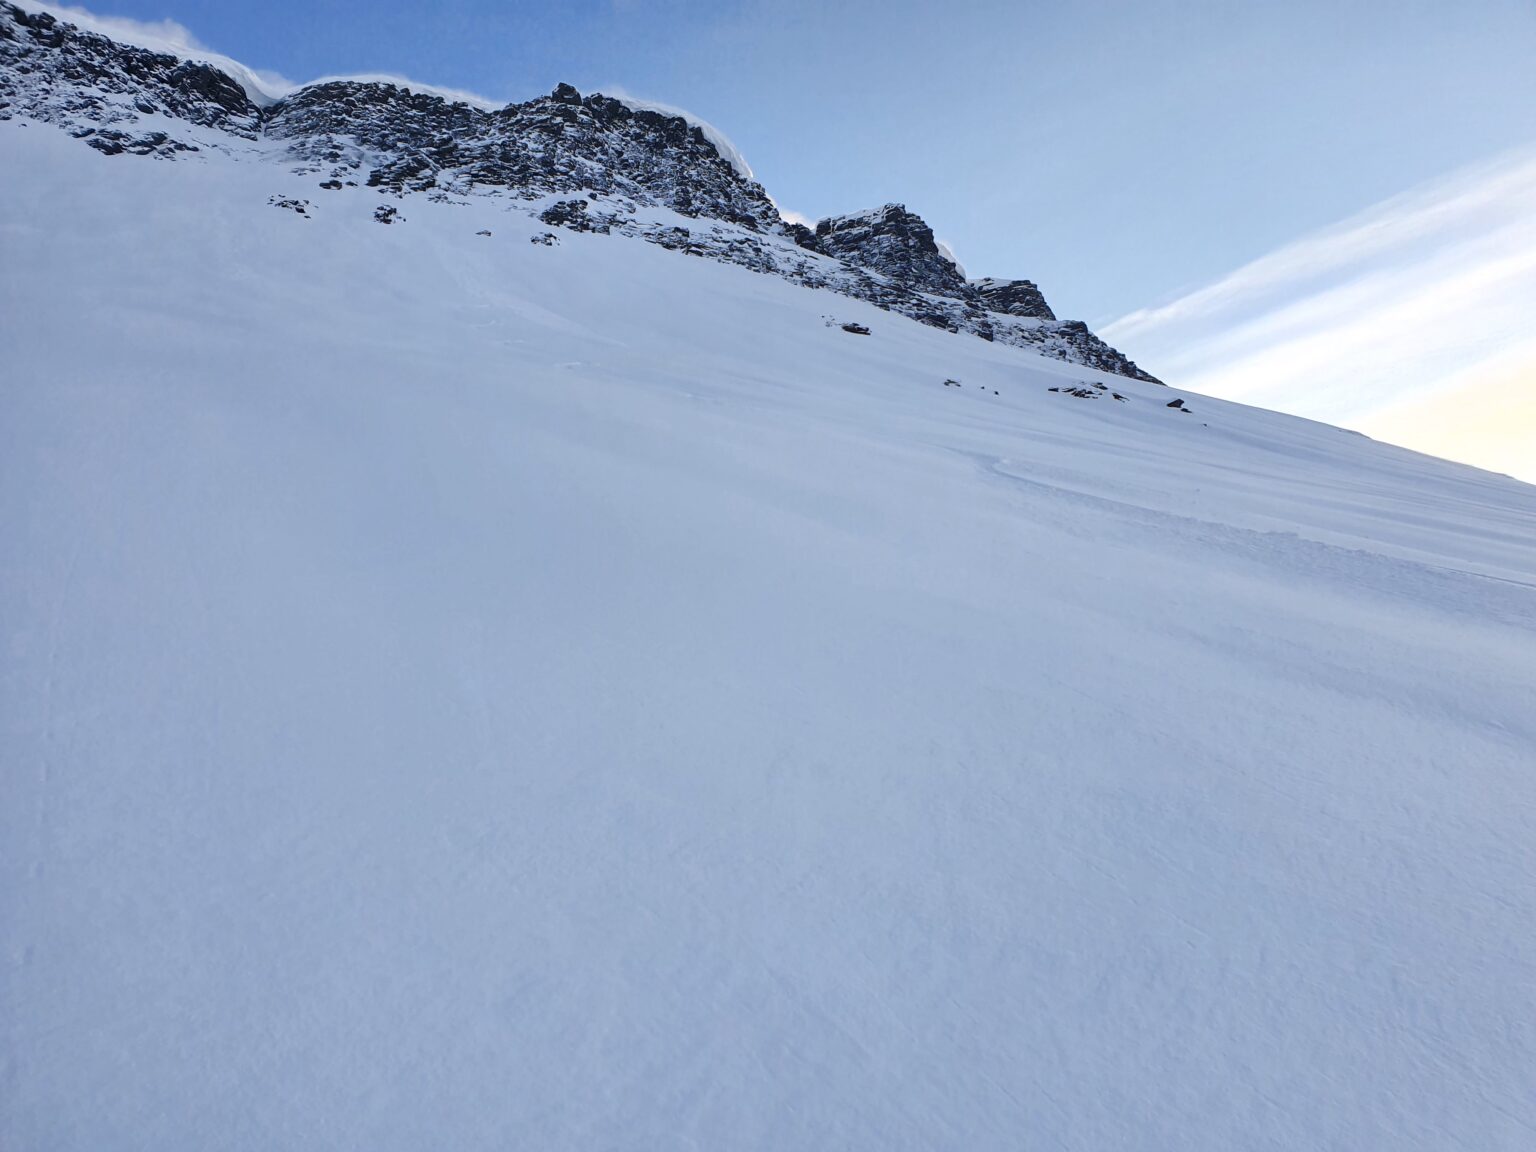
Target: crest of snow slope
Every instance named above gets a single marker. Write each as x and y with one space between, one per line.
465 692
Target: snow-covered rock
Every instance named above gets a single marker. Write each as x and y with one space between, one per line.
896 243
1013 298
53 71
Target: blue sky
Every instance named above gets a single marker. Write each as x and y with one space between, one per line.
1128 155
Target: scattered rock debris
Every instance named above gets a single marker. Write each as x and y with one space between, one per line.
1089 390
573 214
548 239
483 232
299 206
387 214
331 185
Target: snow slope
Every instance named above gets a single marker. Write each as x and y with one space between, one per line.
460 692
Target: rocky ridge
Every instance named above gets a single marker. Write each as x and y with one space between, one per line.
602 161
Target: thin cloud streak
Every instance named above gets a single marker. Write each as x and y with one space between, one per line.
1416 296
1471 201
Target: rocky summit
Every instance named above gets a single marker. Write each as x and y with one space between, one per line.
896 243
590 163
1013 298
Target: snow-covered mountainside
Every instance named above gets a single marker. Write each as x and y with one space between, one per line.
607 158
473 682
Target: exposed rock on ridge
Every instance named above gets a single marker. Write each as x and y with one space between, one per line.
896 243
607 159
561 143
1013 298
54 71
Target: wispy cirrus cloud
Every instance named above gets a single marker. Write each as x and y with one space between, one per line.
1418 304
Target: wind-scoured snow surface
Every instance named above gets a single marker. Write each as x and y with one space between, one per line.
465 693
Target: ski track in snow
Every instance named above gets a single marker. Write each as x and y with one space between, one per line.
465 692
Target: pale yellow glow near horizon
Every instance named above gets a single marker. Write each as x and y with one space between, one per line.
1484 416
1411 321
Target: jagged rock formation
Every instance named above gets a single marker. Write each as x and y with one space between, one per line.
561 143
607 162
54 71
1013 298
896 243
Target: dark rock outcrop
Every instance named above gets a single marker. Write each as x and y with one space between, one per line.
896 243
562 143
112 142
51 70
573 214
1013 298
